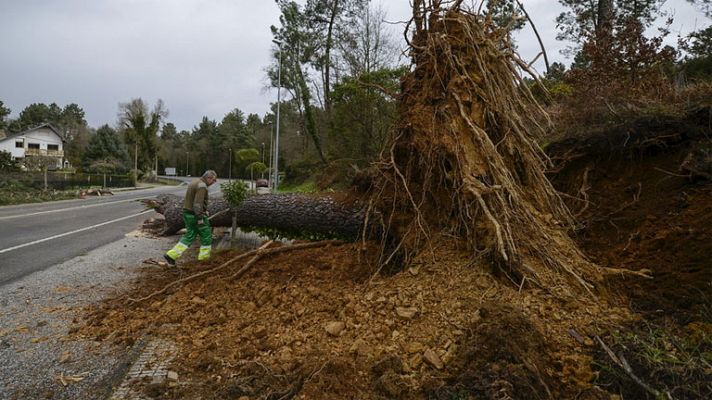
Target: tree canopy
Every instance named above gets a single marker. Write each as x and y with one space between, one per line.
105 152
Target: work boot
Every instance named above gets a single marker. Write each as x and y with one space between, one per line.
169 260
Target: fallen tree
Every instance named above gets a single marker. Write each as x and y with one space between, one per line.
288 213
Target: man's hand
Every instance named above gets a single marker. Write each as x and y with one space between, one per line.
200 221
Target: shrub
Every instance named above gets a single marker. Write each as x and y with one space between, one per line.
234 192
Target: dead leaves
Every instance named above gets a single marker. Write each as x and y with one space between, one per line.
67 380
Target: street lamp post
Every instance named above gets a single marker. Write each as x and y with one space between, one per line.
271 156
187 158
263 157
136 162
229 172
279 100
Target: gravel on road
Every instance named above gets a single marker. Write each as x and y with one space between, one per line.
38 360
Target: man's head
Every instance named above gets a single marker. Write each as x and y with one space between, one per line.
209 177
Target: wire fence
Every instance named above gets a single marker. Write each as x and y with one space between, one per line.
63 180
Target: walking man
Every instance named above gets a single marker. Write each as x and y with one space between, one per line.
195 216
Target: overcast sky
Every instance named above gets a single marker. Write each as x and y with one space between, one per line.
203 58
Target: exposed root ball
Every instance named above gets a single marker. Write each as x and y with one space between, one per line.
463 161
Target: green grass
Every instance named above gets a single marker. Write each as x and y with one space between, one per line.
669 358
308 186
21 195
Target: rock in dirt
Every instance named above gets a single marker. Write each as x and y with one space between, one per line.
406 312
334 328
260 332
414 347
433 359
172 375
359 347
198 300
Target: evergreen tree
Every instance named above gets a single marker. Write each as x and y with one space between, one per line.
4 112
140 129
105 152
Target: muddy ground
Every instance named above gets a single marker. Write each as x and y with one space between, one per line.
638 209
324 323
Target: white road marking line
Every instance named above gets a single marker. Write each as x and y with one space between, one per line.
72 232
68 209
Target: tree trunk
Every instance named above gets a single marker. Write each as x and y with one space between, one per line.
308 111
288 213
327 66
605 17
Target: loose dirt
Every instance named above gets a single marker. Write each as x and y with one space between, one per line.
319 323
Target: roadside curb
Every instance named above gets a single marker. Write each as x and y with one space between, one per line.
128 189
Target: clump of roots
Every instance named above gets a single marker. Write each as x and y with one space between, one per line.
464 161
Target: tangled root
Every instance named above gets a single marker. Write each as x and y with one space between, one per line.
464 161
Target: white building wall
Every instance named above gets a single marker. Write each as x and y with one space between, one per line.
8 145
42 136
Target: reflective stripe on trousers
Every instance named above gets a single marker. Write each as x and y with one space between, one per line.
177 251
204 253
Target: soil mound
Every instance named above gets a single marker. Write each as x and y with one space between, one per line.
318 324
639 209
644 203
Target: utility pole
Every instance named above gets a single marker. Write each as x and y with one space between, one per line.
279 100
263 158
229 172
136 162
187 157
271 154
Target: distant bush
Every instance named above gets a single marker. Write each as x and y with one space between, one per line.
7 164
64 180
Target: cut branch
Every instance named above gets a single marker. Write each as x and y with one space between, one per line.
258 253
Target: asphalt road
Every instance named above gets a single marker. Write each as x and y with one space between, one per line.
34 237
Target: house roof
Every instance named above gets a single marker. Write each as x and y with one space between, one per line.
50 126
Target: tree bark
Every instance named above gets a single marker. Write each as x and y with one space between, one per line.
289 213
605 17
327 66
308 111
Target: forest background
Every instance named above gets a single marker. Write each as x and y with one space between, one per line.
340 77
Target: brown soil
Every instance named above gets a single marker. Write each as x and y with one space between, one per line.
265 336
638 211
643 213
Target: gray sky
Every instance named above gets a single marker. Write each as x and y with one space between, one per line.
203 58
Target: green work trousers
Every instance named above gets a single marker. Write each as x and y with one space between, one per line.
192 229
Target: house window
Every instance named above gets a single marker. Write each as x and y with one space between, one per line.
19 144
33 146
52 147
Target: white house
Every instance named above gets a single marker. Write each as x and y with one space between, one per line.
44 140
